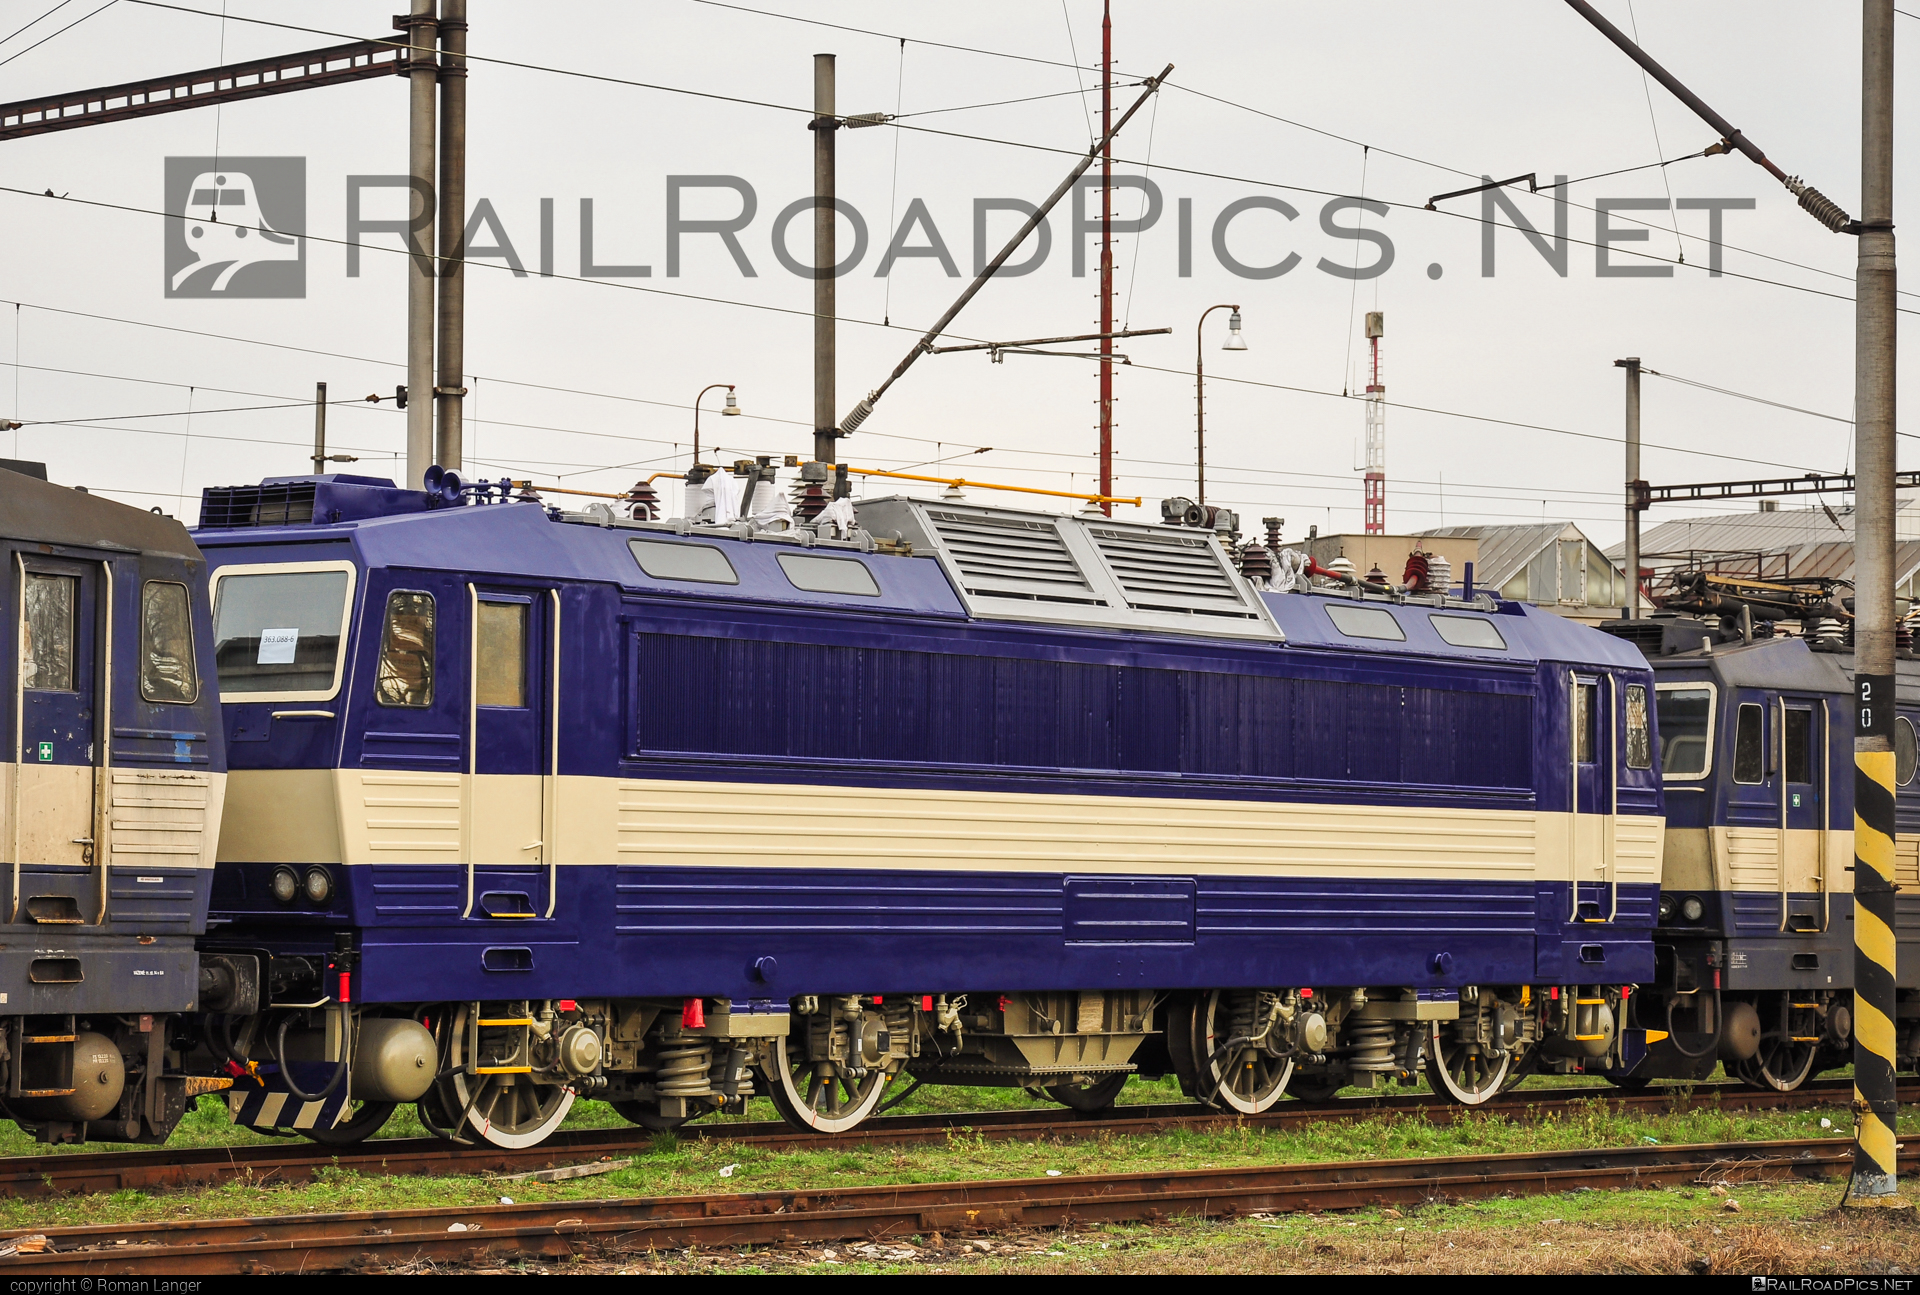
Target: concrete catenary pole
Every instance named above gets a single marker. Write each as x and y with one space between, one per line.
1634 486
450 386
319 428
825 256
1874 1102
1106 255
423 37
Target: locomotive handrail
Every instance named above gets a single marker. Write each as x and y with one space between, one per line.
550 785
19 721
469 790
1781 743
1826 812
1613 775
102 780
1573 751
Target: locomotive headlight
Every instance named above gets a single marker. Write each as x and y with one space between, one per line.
1667 905
319 885
1692 909
285 884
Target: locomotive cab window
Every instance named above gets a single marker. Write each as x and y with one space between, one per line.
1469 632
405 674
828 575
1906 750
500 654
1639 737
1750 745
46 637
1365 622
277 632
1799 746
1685 713
1586 712
167 670
701 563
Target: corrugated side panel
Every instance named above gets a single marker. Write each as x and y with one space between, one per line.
158 821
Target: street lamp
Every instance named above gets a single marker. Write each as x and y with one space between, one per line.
1234 342
731 411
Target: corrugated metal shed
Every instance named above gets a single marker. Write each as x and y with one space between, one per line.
1799 542
1505 551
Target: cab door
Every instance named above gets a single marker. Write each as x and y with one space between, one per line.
1758 802
1804 789
58 742
1593 753
511 861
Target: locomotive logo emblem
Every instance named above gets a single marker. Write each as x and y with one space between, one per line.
227 236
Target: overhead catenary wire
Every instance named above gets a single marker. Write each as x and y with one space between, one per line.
69 27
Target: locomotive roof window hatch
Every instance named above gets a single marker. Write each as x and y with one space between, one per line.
669 560
279 629
1469 631
829 575
1687 715
1366 622
1019 564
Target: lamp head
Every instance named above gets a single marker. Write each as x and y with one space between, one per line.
733 408
1234 341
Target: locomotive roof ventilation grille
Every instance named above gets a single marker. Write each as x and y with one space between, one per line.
1170 573
276 504
1023 565
1005 557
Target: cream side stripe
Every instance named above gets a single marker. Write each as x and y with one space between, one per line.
1751 858
381 816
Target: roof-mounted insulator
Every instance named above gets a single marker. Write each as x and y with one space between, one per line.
860 119
1818 205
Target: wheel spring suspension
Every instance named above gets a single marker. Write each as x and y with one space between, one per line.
683 1072
1370 1045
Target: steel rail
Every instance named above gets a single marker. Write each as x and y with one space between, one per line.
373 1238
299 1160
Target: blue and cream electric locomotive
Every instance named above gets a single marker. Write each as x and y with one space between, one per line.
109 812
527 805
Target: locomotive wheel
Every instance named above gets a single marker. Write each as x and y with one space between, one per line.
366 1120
1231 1073
505 1110
1457 1069
1780 1065
818 1095
1089 1098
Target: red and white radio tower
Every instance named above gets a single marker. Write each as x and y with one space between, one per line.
1376 431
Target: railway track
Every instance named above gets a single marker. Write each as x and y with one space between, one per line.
378 1239
298 1160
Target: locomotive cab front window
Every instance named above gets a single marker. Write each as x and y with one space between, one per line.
406 651
167 670
1750 745
1685 714
1906 751
1639 740
277 632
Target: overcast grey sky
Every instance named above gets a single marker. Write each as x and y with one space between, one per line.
1495 87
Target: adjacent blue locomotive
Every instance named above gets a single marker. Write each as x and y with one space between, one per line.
109 812
526 805
1755 938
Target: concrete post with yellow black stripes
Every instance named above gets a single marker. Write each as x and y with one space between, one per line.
1874 1101
1875 322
